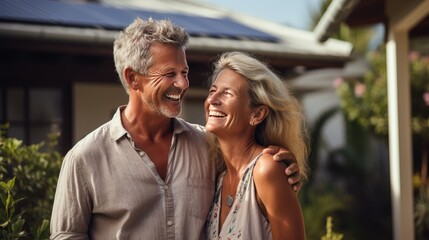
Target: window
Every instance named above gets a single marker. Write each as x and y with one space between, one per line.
32 113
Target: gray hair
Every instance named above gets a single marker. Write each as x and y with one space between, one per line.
132 46
285 123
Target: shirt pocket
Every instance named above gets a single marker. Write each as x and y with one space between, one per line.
200 196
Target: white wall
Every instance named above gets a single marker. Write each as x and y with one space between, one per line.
93 105
333 134
316 103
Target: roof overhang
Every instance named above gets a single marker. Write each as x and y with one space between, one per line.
358 13
335 14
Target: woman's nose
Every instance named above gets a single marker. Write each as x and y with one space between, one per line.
213 98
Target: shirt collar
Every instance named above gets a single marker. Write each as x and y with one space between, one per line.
117 129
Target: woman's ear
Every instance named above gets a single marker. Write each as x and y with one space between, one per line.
259 115
131 78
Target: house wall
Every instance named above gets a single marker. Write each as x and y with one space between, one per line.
314 105
333 135
93 105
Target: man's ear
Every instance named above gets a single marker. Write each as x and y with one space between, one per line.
259 114
131 78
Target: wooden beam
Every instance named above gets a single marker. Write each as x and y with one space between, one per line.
400 154
403 16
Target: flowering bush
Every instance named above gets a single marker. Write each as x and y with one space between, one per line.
365 100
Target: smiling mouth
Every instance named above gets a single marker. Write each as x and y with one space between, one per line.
173 97
216 114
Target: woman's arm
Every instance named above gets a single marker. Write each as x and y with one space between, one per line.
281 203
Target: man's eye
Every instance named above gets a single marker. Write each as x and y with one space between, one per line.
171 74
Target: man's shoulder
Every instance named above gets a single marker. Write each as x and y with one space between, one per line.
93 142
97 135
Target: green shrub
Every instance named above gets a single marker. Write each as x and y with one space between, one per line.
12 222
29 173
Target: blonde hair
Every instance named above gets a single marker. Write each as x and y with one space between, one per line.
285 123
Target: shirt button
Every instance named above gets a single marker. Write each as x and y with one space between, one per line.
169 223
166 187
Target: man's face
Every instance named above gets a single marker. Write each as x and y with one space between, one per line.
166 82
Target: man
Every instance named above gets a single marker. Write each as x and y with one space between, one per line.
145 174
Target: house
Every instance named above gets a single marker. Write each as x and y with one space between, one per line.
58 70
404 21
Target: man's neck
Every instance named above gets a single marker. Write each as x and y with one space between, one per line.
147 125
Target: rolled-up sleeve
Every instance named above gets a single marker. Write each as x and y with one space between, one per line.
71 213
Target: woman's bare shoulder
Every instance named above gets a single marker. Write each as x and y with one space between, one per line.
267 168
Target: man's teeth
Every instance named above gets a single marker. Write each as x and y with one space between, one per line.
216 114
173 97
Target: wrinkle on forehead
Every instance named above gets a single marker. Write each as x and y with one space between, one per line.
229 80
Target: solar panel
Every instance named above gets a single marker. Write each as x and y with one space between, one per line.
94 15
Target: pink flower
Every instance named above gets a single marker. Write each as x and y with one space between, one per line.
359 89
413 55
337 82
426 98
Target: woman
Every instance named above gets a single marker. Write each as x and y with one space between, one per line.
249 108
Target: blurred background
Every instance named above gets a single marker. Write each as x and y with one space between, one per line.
59 83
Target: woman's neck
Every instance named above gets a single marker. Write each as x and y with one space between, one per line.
237 155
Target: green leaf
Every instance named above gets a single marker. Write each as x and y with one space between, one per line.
43 230
3 185
10 184
17 226
3 225
3 198
8 201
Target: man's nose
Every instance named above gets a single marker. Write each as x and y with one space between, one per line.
181 81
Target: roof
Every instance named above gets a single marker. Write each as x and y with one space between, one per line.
212 29
375 11
94 15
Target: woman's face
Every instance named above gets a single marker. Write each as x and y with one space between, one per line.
227 106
